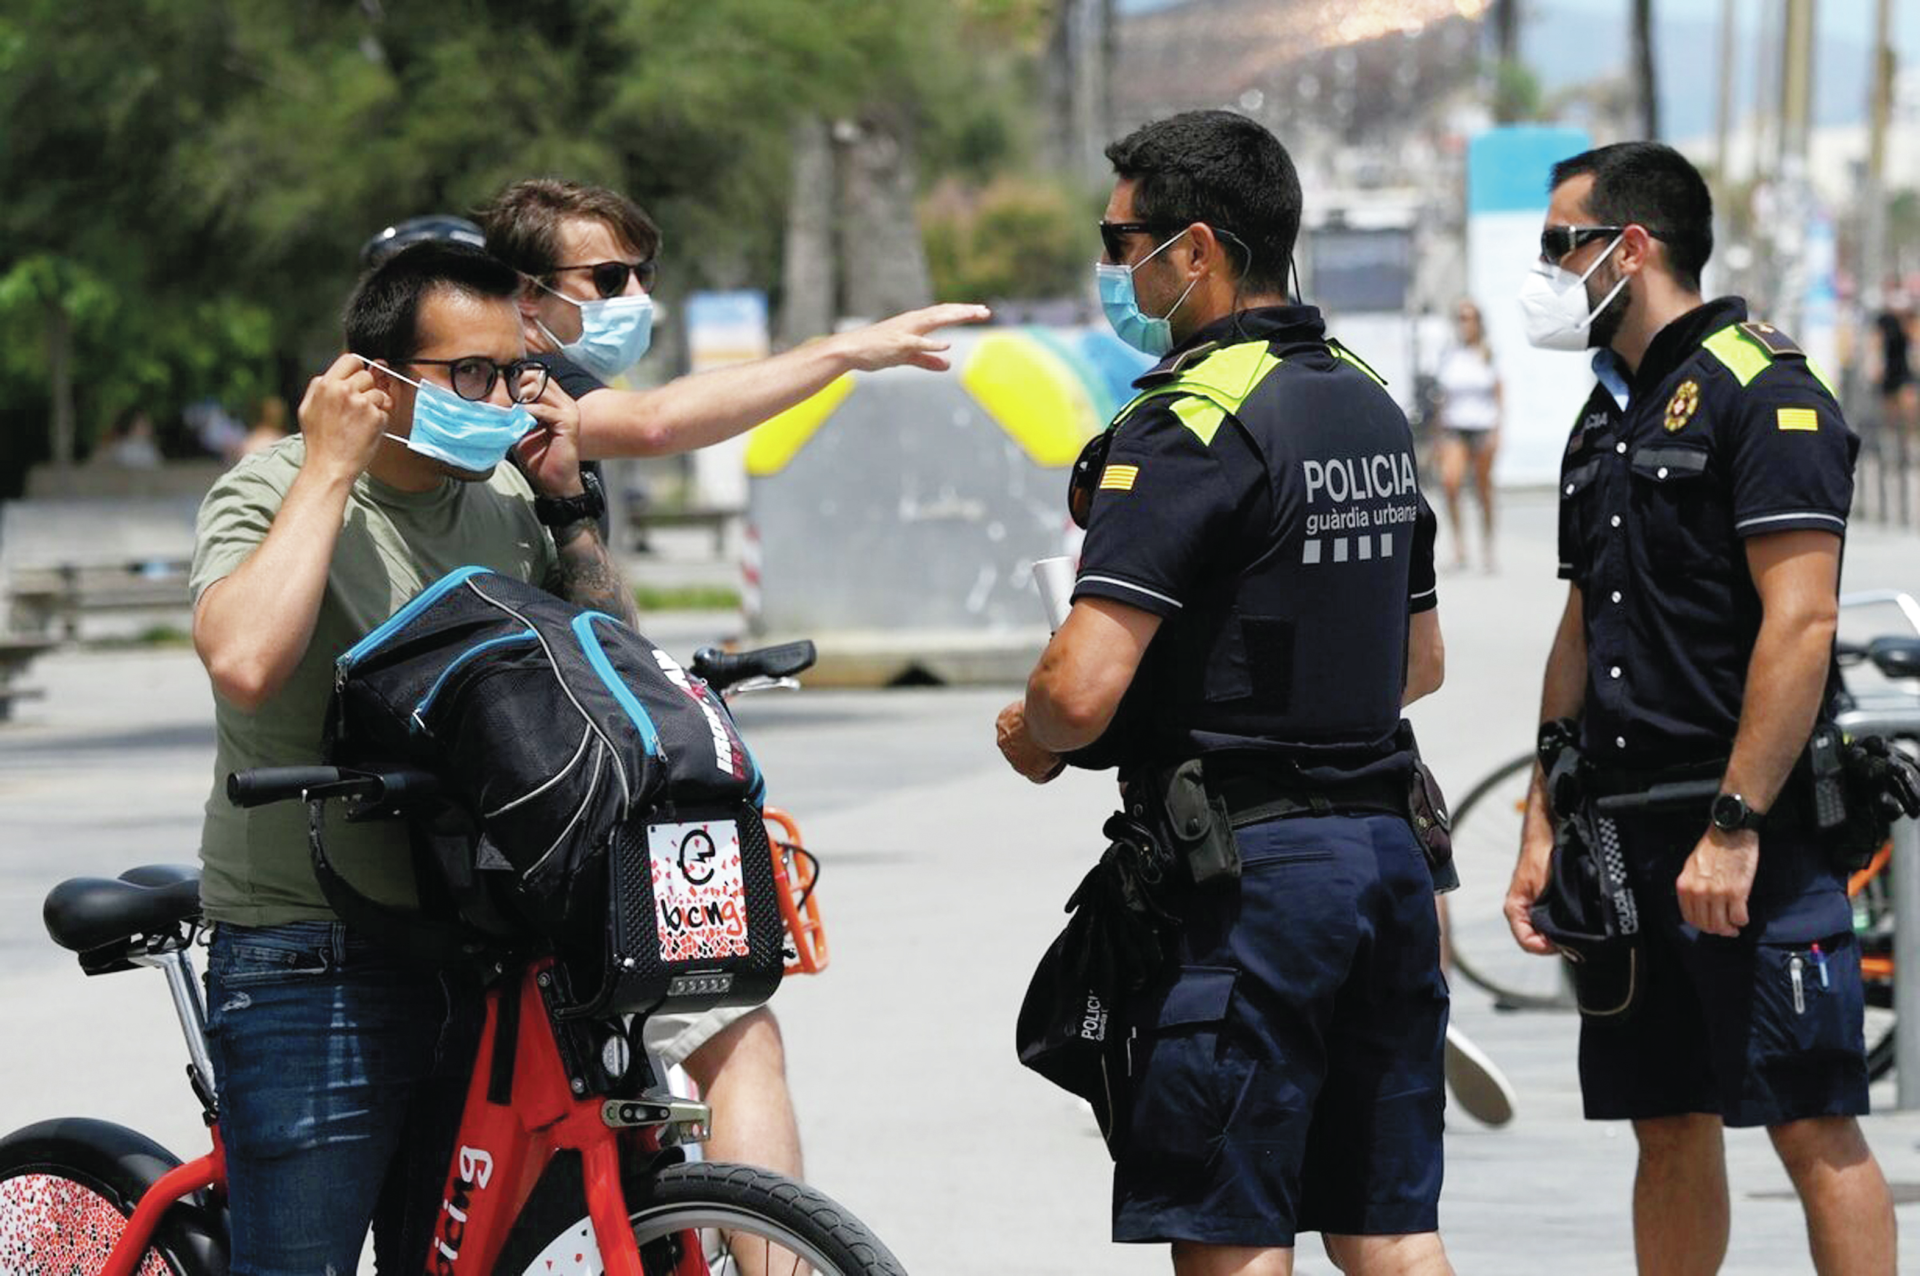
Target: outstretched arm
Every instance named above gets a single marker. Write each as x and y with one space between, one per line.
693 412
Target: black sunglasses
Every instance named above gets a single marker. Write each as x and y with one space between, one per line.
1085 479
1113 235
473 377
1557 241
610 277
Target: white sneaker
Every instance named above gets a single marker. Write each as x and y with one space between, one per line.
1479 1086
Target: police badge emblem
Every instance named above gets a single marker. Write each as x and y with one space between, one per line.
1681 407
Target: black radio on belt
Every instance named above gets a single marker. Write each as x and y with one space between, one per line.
1825 761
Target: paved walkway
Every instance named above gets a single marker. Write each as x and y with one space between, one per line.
943 880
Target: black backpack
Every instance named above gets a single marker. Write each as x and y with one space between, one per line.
596 797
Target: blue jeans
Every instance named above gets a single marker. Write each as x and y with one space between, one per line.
342 1072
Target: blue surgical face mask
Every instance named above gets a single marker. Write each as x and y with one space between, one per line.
1144 333
469 436
614 333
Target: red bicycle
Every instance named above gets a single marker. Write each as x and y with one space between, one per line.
560 1107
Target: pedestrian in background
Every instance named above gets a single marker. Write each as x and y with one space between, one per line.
1469 417
1893 377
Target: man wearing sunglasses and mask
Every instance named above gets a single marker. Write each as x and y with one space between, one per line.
340 1063
1704 498
589 257
1255 595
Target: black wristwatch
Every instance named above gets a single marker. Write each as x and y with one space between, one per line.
563 511
1731 814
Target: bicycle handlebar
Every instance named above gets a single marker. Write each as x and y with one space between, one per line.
259 786
722 669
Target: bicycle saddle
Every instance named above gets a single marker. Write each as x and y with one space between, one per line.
84 913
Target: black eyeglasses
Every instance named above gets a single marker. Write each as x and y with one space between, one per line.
1085 479
610 277
1557 241
1113 236
473 377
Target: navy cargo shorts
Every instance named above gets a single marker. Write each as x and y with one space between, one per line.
1286 1074
1762 1029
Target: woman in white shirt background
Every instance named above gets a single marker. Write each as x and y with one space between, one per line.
1469 386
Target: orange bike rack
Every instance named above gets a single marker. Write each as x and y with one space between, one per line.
794 873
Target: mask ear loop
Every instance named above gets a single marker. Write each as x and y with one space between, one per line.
1588 273
401 439
539 323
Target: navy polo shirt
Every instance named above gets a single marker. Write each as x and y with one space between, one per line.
1284 543
1666 474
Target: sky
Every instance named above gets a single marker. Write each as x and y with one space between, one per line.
1571 41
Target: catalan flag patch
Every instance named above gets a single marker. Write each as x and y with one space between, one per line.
1798 419
1119 478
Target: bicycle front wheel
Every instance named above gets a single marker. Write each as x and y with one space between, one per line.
1486 841
744 1222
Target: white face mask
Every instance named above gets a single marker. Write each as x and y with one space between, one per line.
1553 303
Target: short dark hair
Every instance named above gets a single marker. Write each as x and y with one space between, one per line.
523 222
1225 170
1650 185
382 318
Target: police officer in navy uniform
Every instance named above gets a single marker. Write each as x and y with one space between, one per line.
1704 498
1256 591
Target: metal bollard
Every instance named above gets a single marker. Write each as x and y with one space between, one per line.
1906 956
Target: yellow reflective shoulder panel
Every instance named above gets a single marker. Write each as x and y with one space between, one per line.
1199 414
1228 375
1820 375
1744 357
1357 362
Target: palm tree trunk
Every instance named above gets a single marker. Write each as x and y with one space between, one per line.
1646 85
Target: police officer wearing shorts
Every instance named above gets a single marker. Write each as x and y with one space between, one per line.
1703 502
1256 592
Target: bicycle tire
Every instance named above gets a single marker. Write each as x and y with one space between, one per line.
1880 1055
721 1202
1486 838
67 1188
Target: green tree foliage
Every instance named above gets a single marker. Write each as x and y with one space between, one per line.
1019 238
191 180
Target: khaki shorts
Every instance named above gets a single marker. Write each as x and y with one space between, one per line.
671 1038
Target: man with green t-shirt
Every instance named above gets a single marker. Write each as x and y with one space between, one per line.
338 1063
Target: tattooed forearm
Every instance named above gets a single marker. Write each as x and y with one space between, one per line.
586 575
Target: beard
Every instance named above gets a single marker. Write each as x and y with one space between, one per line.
1605 326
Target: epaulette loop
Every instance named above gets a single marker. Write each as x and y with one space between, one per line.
1771 339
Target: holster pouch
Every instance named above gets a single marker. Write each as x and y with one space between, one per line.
1195 821
1428 815
1589 912
1432 826
1587 907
